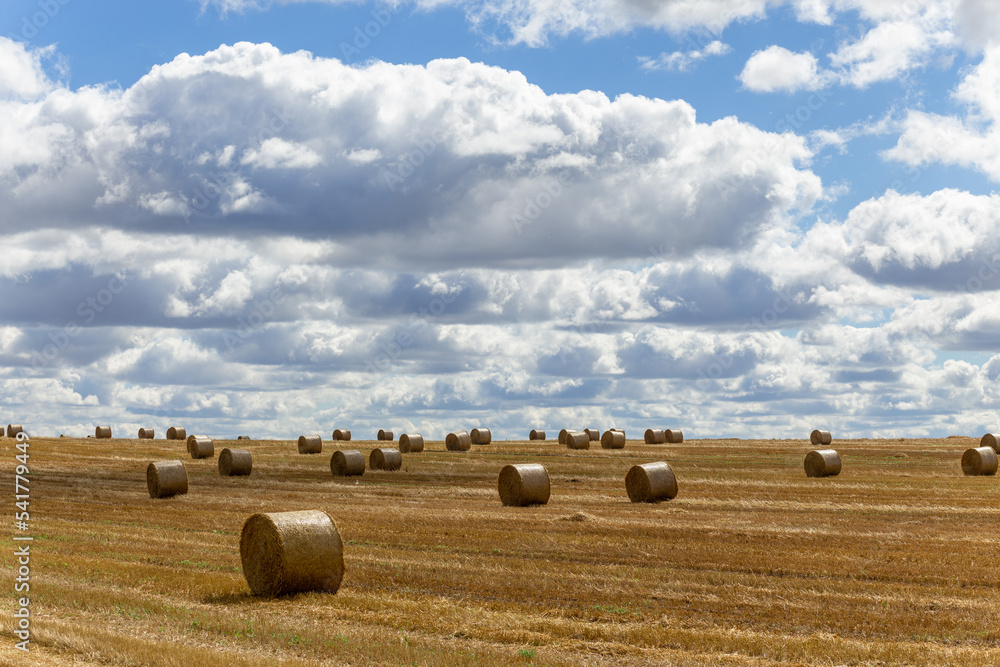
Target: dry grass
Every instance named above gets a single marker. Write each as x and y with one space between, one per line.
751 564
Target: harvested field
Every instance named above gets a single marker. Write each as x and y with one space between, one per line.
751 564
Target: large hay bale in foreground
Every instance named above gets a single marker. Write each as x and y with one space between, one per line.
822 463
593 433
13 430
310 444
990 440
613 440
674 436
459 441
651 482
235 462
481 436
290 552
411 443
385 436
979 461
577 440
342 434
654 436
200 446
177 433
347 463
103 432
536 435
146 434
385 459
166 478
524 484
818 437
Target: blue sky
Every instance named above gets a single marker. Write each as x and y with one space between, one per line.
727 215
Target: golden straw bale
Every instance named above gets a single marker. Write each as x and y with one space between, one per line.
822 463
384 435
342 434
524 484
290 552
654 436
818 437
411 443
536 435
989 440
613 439
385 459
176 433
481 436
979 461
459 441
593 433
347 463
200 446
310 444
146 434
651 482
103 432
166 478
577 440
674 436
235 462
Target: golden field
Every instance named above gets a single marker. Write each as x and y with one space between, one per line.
891 563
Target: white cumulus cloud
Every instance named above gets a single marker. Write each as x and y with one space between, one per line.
778 69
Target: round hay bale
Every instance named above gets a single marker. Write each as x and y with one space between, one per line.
820 438
577 440
146 434
176 433
674 436
347 463
243 437
524 484
990 440
595 434
651 482
235 462
481 436
385 436
102 432
613 440
166 478
562 436
291 552
655 436
459 441
822 463
536 435
979 461
342 434
200 446
13 430
385 459
310 444
411 443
